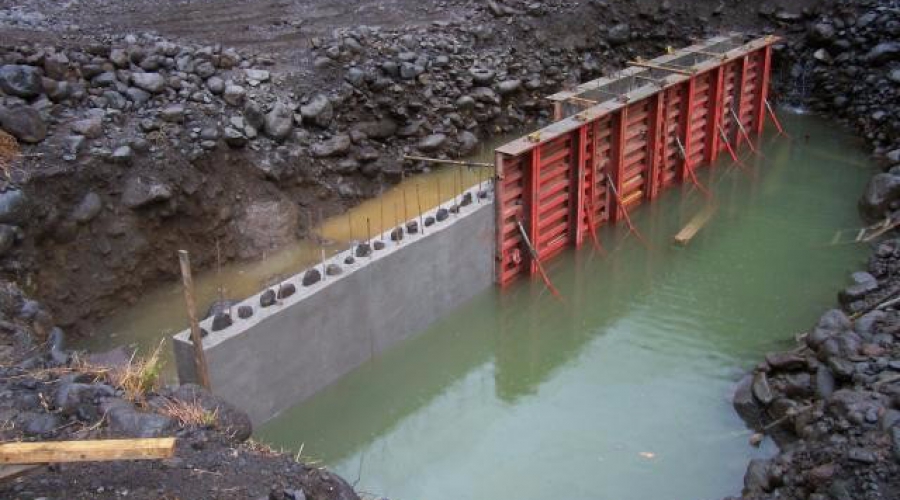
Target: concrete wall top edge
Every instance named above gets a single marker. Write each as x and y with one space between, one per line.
302 293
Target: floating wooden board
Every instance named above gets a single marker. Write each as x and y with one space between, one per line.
86 451
694 225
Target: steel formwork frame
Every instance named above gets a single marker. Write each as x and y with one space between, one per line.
651 126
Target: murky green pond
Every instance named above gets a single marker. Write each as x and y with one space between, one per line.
621 392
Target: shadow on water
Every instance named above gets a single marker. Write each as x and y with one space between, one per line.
620 391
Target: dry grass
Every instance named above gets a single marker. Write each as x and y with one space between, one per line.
190 413
138 377
9 151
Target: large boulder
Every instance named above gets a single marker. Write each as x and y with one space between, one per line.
21 81
265 225
884 52
882 190
141 191
336 146
279 121
126 420
151 82
13 207
317 111
23 122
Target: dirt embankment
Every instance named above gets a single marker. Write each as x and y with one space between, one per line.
833 403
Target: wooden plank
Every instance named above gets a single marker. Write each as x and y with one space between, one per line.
86 451
694 225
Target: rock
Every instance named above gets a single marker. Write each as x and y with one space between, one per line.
745 404
234 138
318 111
70 397
7 238
756 479
883 52
265 225
279 121
761 389
619 34
256 76
882 190
143 191
862 455
221 321
245 312
894 76
231 420
824 383
311 277
173 113
151 82
821 475
91 128
785 361
122 155
267 298
336 146
88 208
23 122
482 76
234 95
378 129
467 142
253 115
21 81
856 292
822 56
333 270
42 424
137 96
215 85
509 87
13 207
125 420
432 142
286 290
821 33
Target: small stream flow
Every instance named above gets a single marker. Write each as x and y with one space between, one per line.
622 391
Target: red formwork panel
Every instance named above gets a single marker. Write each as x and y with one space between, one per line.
566 180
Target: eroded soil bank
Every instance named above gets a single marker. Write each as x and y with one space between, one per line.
147 128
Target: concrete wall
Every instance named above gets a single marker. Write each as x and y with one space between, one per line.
287 352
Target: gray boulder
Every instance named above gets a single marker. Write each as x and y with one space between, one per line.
336 146
91 128
279 121
21 81
151 82
884 52
13 207
23 122
125 420
882 190
141 191
619 34
318 111
432 142
88 208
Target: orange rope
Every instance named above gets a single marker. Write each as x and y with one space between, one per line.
591 228
621 206
775 120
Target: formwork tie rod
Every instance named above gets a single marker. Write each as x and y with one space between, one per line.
648 65
540 267
731 152
690 169
775 120
621 206
449 162
744 132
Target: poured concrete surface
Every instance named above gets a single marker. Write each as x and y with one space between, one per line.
287 352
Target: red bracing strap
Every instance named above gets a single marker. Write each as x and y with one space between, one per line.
591 228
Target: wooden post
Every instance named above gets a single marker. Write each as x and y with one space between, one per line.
196 338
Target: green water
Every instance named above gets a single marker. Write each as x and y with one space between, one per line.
621 392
